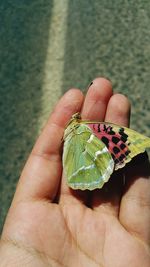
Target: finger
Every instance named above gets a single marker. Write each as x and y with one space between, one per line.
96 100
118 110
108 198
135 203
94 108
42 172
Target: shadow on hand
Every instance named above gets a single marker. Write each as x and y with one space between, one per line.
138 168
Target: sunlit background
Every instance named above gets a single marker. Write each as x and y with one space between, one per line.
48 46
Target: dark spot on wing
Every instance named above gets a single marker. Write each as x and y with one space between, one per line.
115 139
122 157
124 136
105 128
116 150
127 152
105 140
122 146
111 132
116 161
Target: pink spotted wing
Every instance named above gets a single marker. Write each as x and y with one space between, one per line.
116 142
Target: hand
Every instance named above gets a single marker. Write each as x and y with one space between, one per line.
50 225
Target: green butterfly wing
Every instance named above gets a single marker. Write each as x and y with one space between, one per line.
87 162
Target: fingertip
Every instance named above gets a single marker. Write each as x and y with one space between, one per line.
101 88
72 99
118 110
96 99
122 103
70 103
102 80
74 92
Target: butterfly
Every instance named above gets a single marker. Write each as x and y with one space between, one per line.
94 150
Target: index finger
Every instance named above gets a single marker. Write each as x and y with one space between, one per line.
41 175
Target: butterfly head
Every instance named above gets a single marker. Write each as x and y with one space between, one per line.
73 123
76 117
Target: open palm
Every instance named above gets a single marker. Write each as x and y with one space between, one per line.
49 224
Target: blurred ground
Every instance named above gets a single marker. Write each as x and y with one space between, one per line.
48 46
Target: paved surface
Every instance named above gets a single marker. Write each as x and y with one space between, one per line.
48 46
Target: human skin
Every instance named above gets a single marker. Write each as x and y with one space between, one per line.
50 225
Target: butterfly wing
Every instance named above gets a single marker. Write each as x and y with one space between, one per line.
123 143
87 162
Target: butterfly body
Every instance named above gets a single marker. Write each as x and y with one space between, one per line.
93 150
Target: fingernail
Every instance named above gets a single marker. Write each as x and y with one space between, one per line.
90 84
